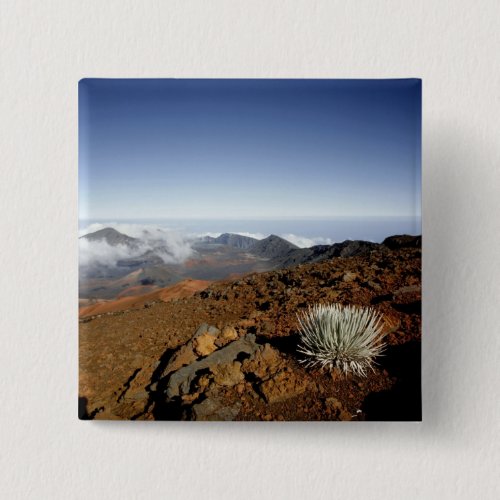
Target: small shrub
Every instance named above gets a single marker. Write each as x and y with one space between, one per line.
344 337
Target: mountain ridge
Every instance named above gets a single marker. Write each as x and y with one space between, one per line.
233 240
228 255
272 247
112 237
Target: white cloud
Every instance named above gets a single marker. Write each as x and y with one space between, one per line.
92 253
175 247
207 233
257 236
304 242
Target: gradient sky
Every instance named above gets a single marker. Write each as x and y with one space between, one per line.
165 148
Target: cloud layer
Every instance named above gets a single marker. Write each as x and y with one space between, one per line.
171 245
303 242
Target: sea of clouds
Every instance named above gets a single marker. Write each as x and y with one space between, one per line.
172 246
176 245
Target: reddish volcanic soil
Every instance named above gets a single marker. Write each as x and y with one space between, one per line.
229 352
136 291
185 288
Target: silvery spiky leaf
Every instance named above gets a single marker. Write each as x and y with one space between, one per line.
344 337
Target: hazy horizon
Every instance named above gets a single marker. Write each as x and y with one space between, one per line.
300 231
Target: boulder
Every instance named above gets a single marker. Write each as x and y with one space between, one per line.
228 374
180 381
182 357
265 363
284 385
213 409
203 328
227 335
206 408
204 344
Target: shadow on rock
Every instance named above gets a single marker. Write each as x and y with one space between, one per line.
286 345
161 409
411 308
404 401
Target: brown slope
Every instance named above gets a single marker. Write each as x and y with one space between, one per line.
122 356
185 288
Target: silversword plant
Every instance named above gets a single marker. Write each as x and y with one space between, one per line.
344 337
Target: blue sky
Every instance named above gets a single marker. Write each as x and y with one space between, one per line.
166 148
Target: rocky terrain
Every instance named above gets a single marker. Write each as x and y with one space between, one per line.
226 256
129 299
228 352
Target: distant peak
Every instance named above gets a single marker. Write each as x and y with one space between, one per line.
111 236
108 230
233 240
272 247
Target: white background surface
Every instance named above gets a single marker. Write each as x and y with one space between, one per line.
46 47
